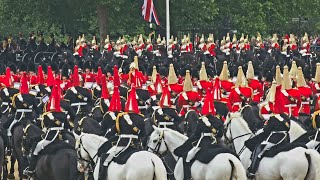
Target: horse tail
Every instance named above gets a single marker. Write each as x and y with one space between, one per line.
314 164
160 172
237 169
73 170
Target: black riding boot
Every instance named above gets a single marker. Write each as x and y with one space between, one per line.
186 170
32 165
255 160
102 169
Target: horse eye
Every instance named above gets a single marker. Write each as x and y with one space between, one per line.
155 140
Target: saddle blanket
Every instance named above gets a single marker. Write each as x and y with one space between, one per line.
283 148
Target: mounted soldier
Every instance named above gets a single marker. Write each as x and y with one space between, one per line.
204 83
188 99
241 94
209 130
254 84
290 96
23 106
166 115
54 120
305 94
79 97
274 134
129 128
226 83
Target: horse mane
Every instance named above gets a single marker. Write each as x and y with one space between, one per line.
94 137
249 116
300 123
175 133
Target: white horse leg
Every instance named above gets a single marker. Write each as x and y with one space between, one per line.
96 170
178 170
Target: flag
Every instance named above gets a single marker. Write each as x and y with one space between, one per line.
149 12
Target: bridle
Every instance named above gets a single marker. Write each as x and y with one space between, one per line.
156 149
231 141
89 161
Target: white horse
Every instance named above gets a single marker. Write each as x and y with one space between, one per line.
291 165
141 165
223 166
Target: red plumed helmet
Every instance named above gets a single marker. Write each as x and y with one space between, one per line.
116 78
40 76
104 91
76 79
115 103
132 103
8 78
50 78
54 103
24 87
165 100
99 76
208 104
217 89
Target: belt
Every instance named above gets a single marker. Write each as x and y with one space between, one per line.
24 110
237 103
165 123
143 107
79 104
305 102
290 105
128 136
5 104
207 134
56 128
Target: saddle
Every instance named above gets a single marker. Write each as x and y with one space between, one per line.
55 146
123 157
283 148
205 155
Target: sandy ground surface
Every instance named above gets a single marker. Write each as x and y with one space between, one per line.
16 173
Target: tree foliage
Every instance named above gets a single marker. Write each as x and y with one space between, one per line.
124 16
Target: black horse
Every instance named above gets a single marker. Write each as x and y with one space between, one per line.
57 161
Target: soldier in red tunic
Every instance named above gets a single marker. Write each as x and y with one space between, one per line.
241 94
174 87
203 84
290 96
305 48
267 106
316 88
305 95
254 84
226 84
293 73
188 99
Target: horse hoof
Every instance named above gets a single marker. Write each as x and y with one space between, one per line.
11 176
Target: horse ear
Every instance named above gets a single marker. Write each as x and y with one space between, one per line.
76 136
155 128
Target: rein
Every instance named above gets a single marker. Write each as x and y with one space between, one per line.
232 139
156 149
80 158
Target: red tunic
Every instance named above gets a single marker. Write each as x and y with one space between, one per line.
188 100
257 90
291 106
235 100
305 93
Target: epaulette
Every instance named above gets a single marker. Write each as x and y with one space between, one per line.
13 102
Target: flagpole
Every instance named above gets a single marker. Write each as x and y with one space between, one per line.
167 22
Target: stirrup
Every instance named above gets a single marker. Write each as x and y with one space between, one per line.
8 151
250 175
27 172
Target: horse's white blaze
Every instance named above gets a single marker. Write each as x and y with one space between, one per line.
141 165
218 168
286 165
